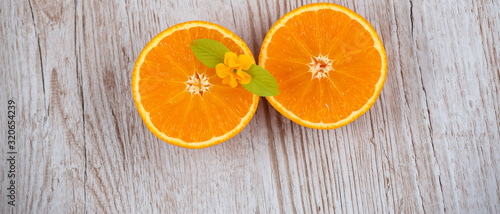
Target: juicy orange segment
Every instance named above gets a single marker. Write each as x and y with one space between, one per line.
329 63
182 101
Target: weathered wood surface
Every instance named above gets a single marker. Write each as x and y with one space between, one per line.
431 143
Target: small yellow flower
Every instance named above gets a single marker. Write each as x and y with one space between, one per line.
231 71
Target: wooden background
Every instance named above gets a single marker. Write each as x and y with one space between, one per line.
431 143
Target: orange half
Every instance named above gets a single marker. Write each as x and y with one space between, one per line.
182 101
329 63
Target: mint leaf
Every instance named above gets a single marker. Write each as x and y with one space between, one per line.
262 83
209 52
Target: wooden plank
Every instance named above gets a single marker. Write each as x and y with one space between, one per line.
39 72
128 168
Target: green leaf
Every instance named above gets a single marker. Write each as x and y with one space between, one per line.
262 83
209 52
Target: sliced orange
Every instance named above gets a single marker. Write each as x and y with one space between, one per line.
182 101
329 63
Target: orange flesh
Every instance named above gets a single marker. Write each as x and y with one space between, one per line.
355 65
177 112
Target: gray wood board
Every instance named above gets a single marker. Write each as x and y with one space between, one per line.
430 143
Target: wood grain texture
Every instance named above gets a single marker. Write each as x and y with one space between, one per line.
430 144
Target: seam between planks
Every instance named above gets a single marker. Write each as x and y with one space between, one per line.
274 158
79 75
39 54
